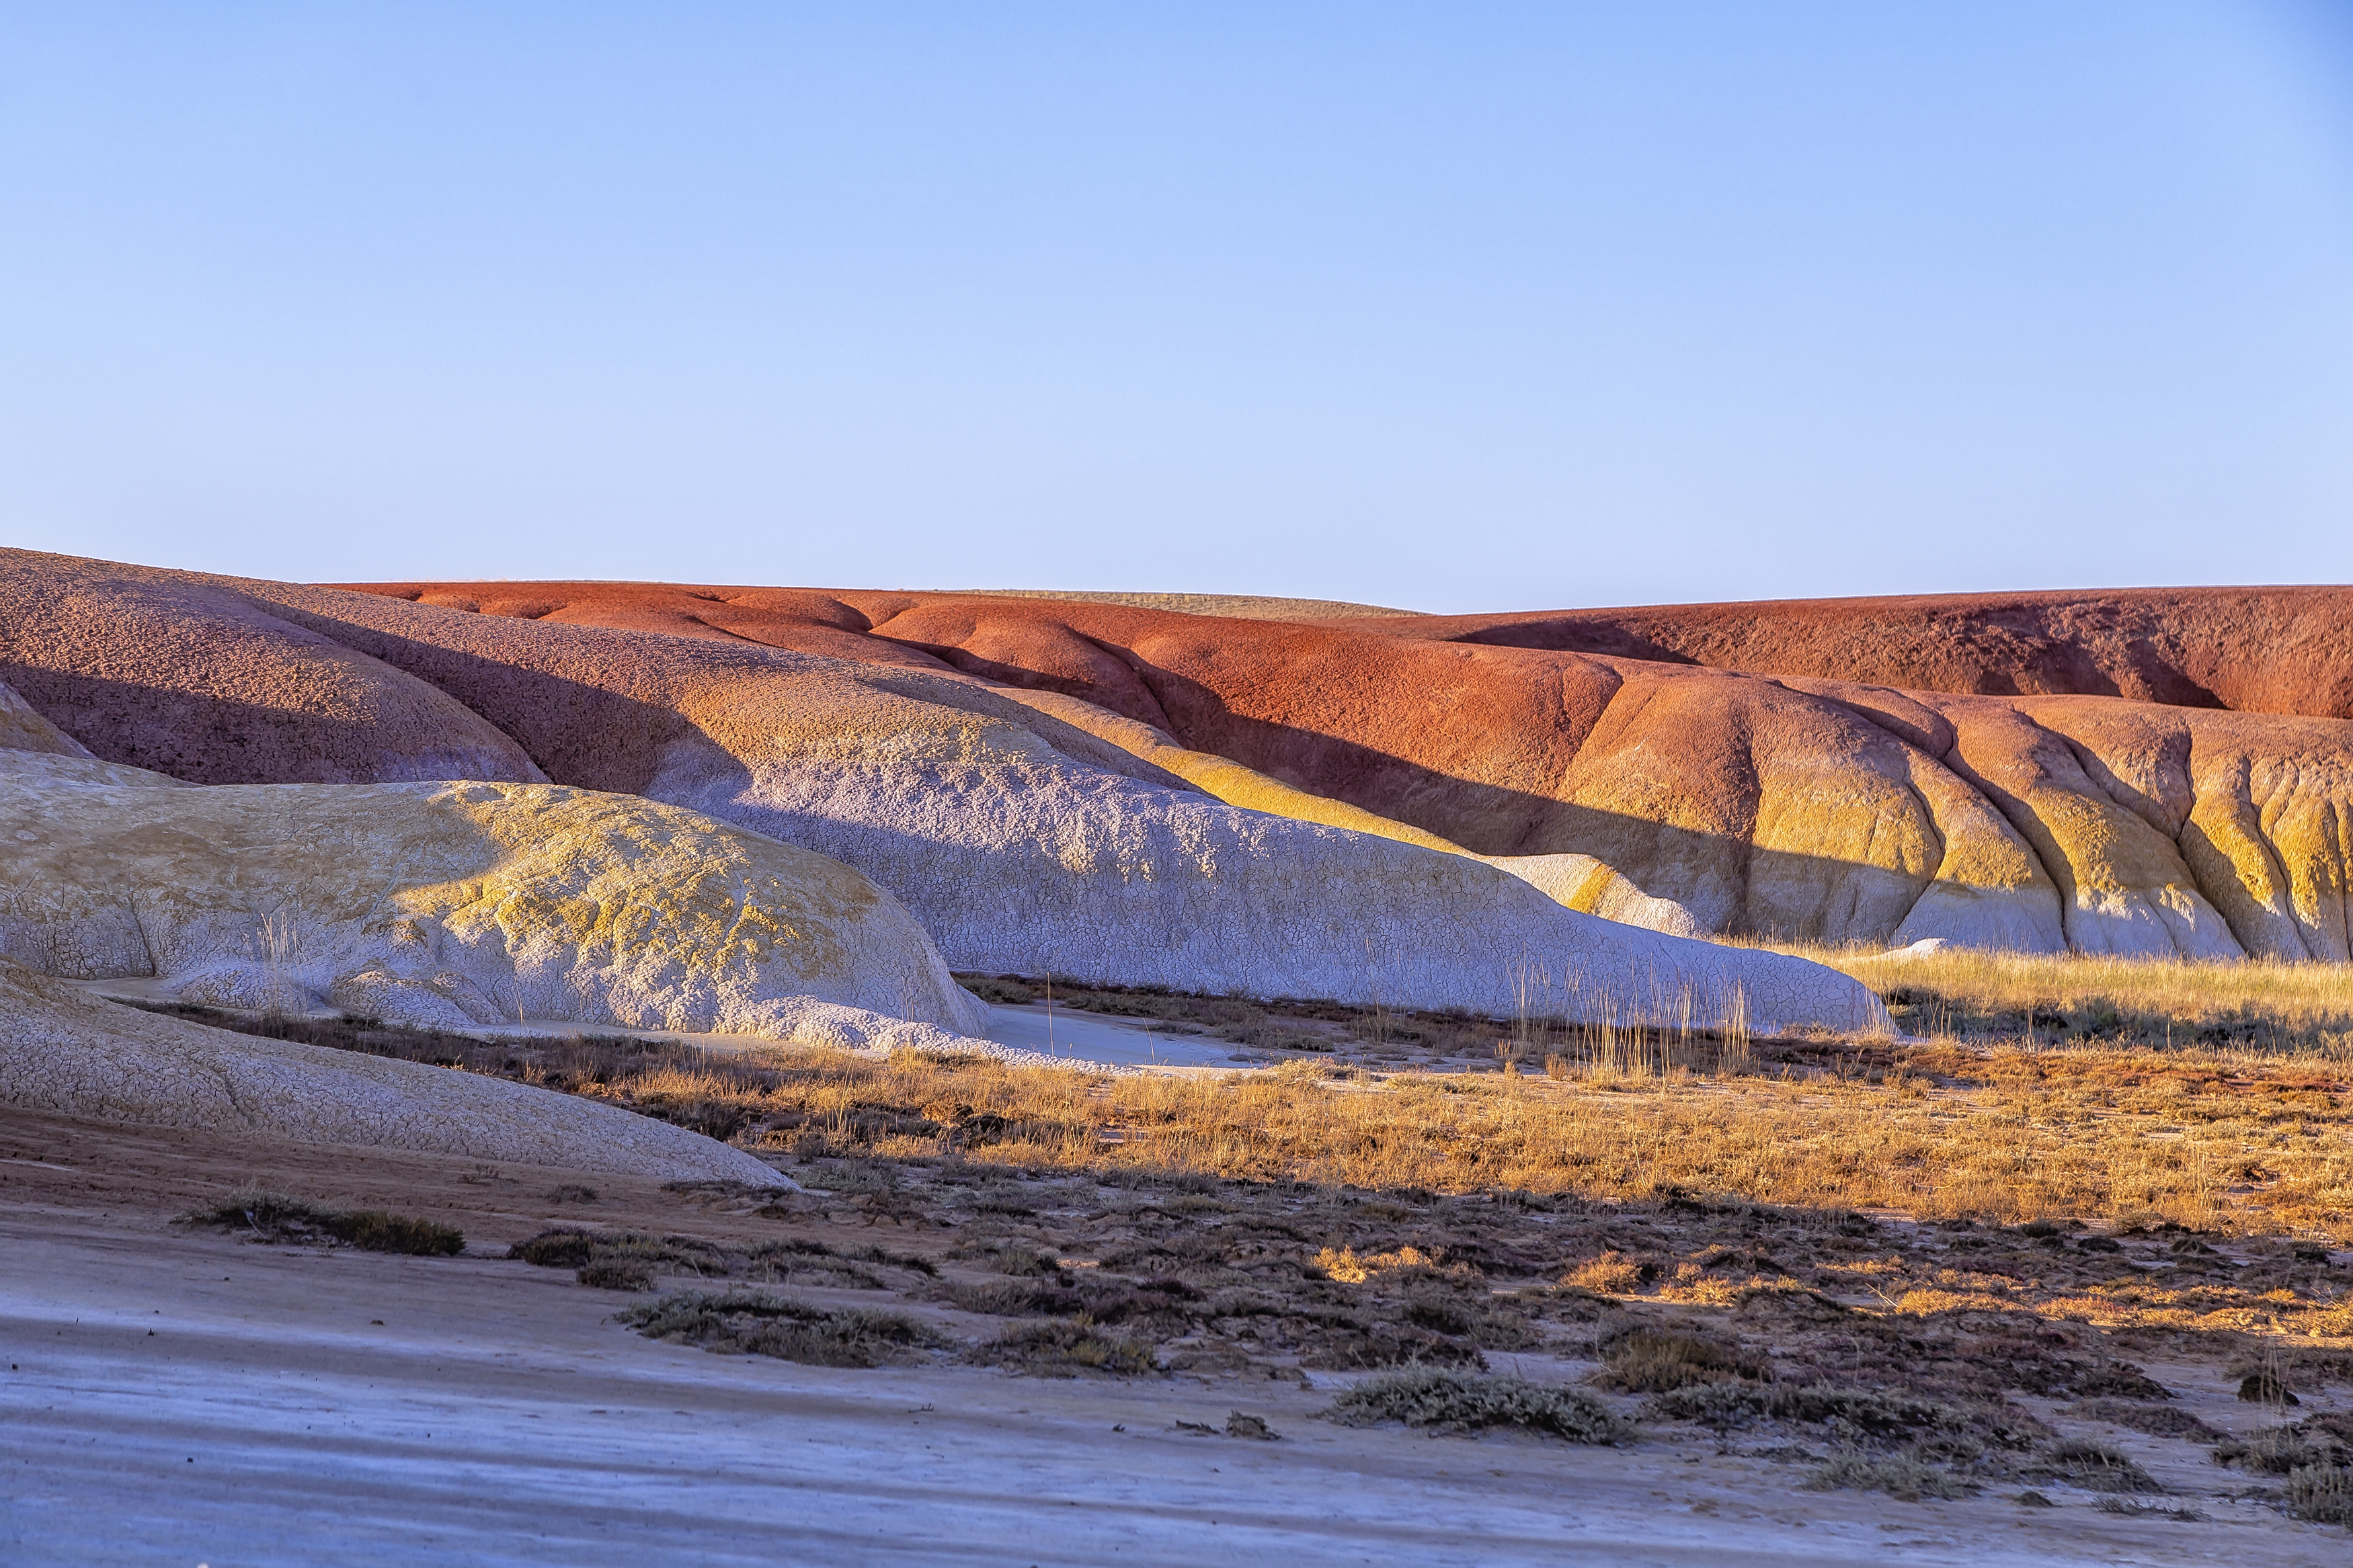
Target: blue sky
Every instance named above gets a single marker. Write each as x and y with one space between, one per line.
1445 306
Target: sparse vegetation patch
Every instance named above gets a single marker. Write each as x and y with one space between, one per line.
1065 1347
1653 1361
1444 1401
2095 1467
630 1260
1846 1255
2321 1493
1900 1476
1854 1413
275 1217
765 1323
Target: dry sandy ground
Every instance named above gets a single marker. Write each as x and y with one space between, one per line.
1080 1037
179 1396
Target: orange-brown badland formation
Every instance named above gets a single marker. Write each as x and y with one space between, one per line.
2256 650
1347 802
1751 766
715 833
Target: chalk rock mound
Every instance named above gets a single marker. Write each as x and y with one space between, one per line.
1806 806
69 1054
1690 800
34 751
452 905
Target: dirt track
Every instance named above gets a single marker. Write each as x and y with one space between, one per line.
174 1396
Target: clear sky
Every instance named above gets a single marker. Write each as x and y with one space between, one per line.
1447 305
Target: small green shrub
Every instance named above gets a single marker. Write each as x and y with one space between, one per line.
1470 1402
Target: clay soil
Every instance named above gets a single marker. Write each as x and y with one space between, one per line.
181 1393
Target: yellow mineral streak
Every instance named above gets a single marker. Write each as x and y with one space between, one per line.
631 881
1829 837
1221 777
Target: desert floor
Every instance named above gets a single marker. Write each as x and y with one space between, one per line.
178 1395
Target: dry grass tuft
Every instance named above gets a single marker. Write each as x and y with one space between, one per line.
1462 1402
2094 1466
1067 1347
1857 1415
762 1322
1350 1269
275 1217
2239 1138
1960 995
1610 1274
2280 1451
2155 1420
1903 1477
631 1261
2322 1494
1653 1361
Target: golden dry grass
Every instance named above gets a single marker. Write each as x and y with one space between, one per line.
1933 1131
1677 1187
2259 1006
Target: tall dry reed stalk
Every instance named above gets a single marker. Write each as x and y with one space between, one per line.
277 943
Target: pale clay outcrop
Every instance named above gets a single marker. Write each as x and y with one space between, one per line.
452 905
1578 882
69 1054
425 904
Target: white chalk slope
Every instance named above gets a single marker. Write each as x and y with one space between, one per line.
69 1054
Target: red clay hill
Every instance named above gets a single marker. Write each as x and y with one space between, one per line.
2258 650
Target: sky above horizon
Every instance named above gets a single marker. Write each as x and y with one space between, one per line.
1460 307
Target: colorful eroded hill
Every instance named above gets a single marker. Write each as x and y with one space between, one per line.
2009 799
